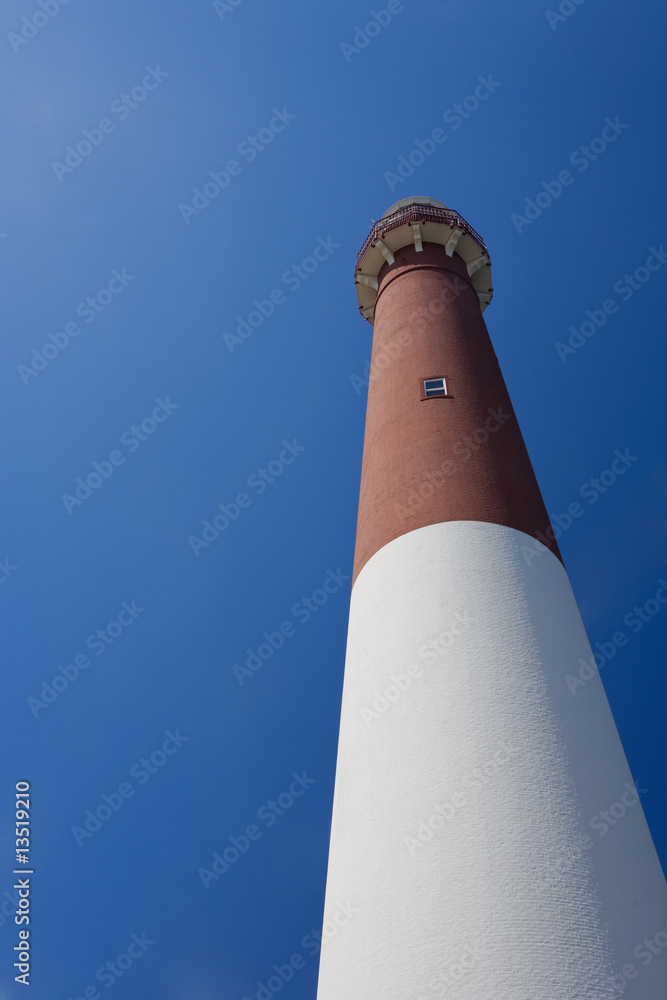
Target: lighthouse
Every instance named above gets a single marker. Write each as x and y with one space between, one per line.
467 840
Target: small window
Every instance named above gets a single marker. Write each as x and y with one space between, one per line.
434 387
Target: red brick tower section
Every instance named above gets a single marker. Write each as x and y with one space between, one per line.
436 451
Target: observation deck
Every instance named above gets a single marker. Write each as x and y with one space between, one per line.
418 221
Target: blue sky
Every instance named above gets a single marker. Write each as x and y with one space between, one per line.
150 353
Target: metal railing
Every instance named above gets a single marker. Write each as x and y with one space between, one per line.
417 213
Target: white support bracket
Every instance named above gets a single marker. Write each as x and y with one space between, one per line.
368 313
368 279
417 236
385 251
474 265
450 245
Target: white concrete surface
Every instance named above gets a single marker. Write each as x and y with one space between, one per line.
466 786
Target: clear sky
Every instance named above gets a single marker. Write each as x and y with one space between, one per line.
132 301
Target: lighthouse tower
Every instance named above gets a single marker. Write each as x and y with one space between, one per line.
469 849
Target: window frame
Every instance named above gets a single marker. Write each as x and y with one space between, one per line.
435 395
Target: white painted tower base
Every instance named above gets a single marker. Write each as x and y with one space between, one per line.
468 775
